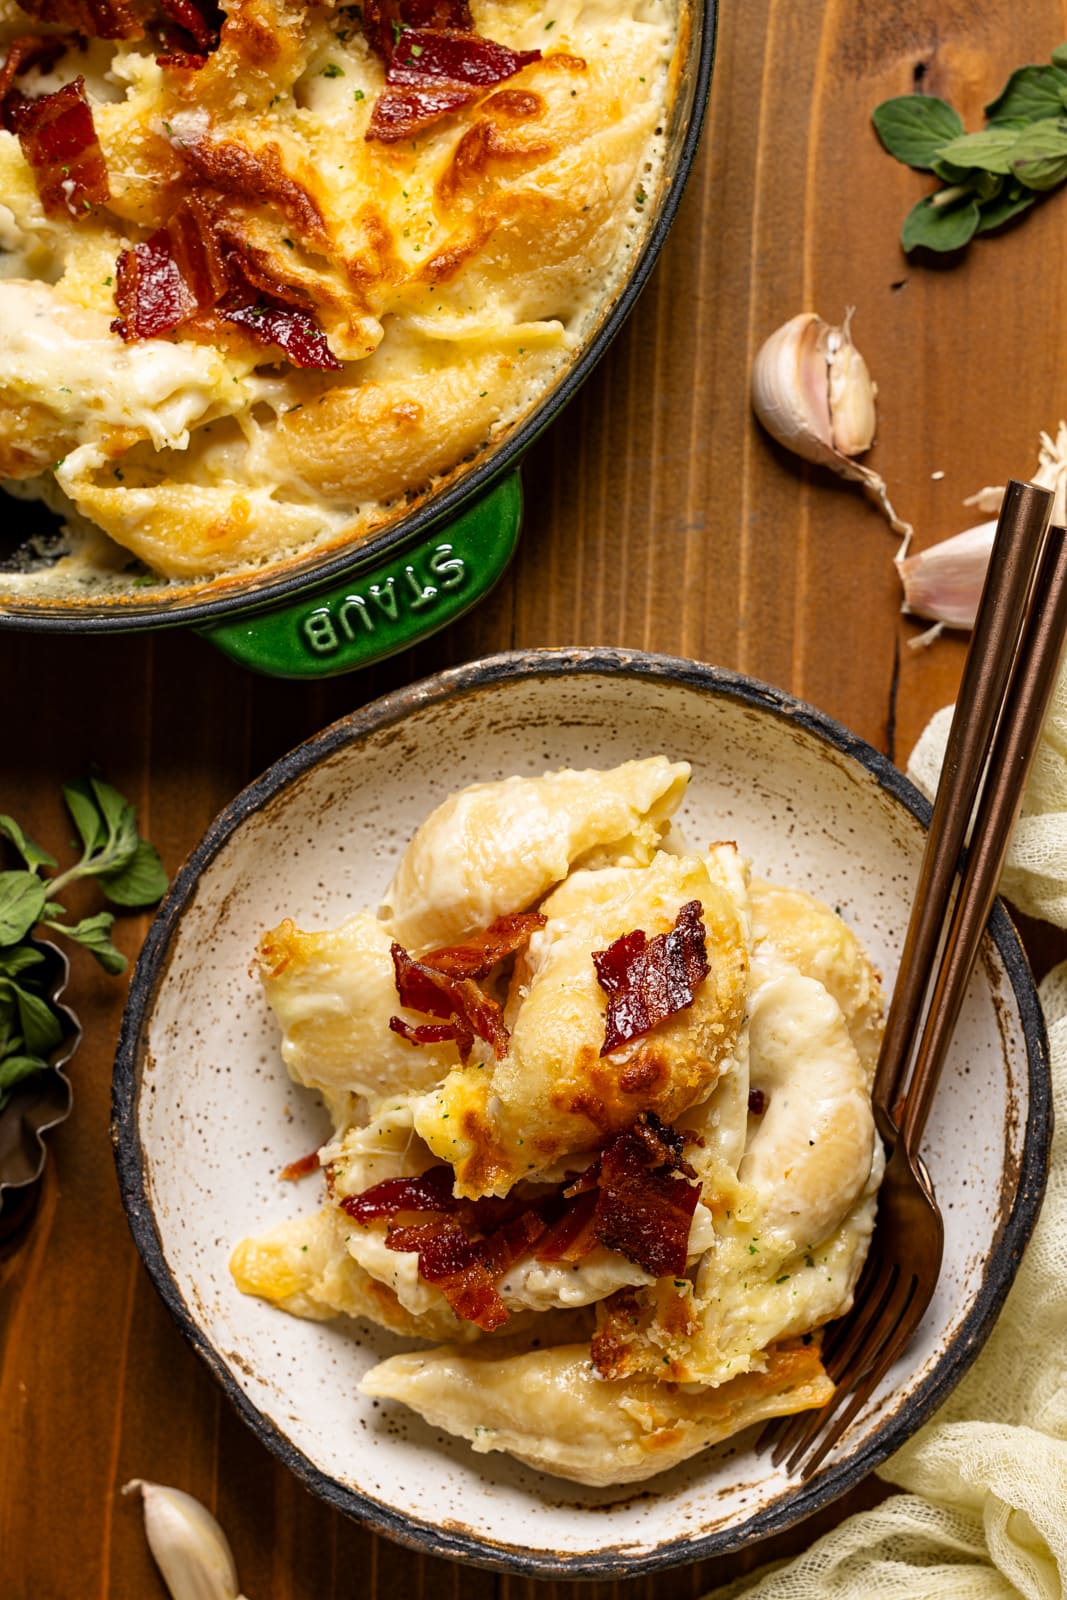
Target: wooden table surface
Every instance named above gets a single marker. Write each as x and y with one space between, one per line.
659 516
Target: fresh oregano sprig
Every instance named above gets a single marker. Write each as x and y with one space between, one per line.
987 177
129 872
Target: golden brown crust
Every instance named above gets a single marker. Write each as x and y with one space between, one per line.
31 438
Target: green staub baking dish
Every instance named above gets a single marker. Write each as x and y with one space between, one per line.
322 615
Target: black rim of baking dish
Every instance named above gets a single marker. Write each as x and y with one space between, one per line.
795 1503
64 617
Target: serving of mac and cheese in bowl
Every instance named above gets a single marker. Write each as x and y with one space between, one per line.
493 1107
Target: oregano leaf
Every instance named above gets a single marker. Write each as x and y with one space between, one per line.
1030 94
94 934
21 904
12 1071
41 1028
140 882
1001 210
19 958
991 151
942 228
121 820
86 814
913 127
31 853
1039 156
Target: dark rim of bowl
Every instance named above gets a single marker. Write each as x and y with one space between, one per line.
793 1505
437 509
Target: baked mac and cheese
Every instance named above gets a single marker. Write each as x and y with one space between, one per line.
603 1126
270 274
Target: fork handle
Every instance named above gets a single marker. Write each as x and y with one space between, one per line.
1029 693
1020 530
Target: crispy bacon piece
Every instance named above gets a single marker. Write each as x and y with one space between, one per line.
432 68
58 139
441 983
184 269
172 276
385 20
573 1234
648 980
633 1199
490 1212
253 272
303 1167
27 51
94 19
621 1202
477 956
427 1032
256 176
663 1145
643 1213
431 1191
427 56
500 1250
294 332
200 21
467 1011
403 113
448 1259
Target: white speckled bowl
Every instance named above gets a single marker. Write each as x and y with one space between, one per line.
205 1115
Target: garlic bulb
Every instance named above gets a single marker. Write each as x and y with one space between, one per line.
190 1549
944 583
813 393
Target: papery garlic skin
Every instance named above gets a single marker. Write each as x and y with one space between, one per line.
790 392
190 1549
813 392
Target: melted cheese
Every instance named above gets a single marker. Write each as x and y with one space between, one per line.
97 391
455 275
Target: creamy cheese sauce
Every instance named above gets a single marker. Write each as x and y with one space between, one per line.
66 358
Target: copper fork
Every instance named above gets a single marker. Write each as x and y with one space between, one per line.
1007 684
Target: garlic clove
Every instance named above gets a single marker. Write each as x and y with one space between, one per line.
190 1549
852 391
812 391
944 583
790 393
